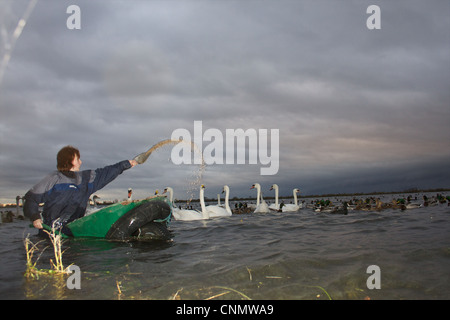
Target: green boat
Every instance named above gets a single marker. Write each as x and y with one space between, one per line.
146 219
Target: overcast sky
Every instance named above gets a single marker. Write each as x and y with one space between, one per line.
357 110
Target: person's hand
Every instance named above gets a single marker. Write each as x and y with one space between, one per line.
37 223
133 163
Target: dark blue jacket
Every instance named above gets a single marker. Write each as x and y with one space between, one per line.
66 194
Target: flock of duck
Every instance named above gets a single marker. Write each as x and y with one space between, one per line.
375 204
261 206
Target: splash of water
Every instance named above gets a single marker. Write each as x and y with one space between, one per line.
141 158
196 180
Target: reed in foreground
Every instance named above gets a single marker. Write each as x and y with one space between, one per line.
57 266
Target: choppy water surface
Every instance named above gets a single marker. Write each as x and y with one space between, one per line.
298 255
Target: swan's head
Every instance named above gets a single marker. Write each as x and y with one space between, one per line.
202 191
297 190
225 188
255 185
274 186
167 189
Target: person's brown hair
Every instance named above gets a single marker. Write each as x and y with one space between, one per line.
65 157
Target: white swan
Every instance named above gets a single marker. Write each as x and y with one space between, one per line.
212 211
275 206
184 214
292 207
285 207
258 188
261 205
226 189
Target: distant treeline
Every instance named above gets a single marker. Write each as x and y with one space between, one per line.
413 190
328 195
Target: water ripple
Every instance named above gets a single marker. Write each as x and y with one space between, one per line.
265 256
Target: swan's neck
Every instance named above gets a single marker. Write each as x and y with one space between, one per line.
170 195
276 196
258 194
202 204
227 196
295 198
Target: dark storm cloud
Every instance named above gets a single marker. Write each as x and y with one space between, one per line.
353 105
